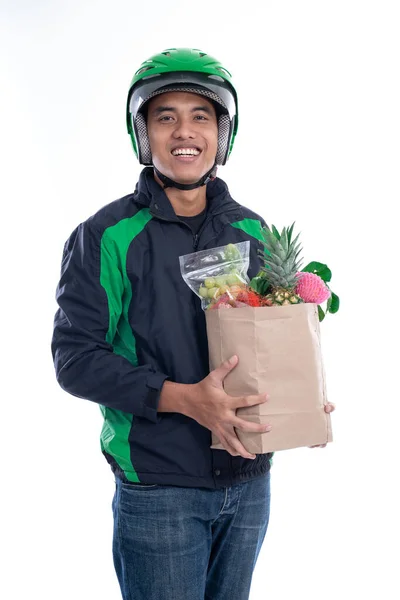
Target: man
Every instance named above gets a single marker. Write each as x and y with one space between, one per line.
130 335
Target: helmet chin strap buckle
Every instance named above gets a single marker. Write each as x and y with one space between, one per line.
167 182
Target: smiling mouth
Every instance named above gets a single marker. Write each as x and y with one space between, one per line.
186 152
186 158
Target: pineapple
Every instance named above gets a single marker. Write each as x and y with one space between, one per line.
280 266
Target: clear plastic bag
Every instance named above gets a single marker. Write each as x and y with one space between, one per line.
217 275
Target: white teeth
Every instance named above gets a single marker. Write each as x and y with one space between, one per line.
189 151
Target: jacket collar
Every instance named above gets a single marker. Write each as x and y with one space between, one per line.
150 194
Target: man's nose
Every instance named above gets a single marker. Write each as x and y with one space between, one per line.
184 129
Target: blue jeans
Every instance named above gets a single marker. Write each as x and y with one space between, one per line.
182 543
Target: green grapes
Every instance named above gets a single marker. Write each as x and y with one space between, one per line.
231 252
209 282
212 292
220 280
203 291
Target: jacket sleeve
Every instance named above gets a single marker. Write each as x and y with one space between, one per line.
85 360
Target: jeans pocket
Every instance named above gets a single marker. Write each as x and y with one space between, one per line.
138 486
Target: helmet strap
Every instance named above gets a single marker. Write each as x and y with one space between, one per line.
167 182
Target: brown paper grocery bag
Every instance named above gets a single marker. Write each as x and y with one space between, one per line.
279 353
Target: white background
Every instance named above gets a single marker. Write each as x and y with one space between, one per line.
318 143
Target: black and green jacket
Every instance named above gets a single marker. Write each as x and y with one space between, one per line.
127 321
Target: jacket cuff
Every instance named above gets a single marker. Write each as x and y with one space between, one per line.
155 382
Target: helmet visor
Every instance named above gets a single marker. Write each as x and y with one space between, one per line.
149 86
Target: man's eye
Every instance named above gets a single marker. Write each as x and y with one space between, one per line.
167 118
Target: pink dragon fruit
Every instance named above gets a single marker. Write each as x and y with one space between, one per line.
311 288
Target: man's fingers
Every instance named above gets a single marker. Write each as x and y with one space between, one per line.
228 447
234 446
225 368
239 402
250 426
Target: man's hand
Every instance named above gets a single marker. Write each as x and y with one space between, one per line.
207 403
328 409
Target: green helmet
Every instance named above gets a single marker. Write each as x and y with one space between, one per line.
186 70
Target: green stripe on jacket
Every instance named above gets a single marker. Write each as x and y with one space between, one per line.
251 227
115 243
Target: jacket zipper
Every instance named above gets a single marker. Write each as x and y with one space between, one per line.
208 219
197 235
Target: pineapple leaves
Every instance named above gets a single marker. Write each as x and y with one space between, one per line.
295 240
290 231
260 285
285 237
276 232
319 269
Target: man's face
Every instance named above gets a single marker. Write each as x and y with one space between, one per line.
182 121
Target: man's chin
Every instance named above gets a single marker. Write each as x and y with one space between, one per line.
184 176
